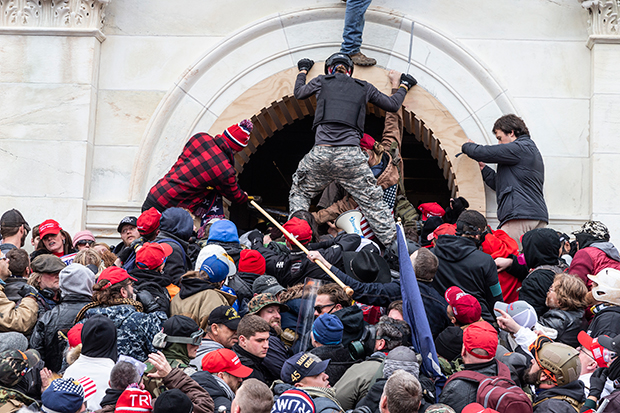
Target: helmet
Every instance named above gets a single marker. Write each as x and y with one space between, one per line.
557 360
608 286
336 59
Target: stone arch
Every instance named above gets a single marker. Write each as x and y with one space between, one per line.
457 97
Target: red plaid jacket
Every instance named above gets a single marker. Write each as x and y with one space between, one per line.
205 161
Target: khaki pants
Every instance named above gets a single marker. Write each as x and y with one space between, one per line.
515 228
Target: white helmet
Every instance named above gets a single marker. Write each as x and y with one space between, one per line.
608 286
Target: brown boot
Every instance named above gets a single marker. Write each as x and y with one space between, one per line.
361 60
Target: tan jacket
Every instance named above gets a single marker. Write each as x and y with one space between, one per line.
20 318
198 306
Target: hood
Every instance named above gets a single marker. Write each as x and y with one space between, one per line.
541 246
76 279
178 222
352 319
111 397
191 286
209 383
453 248
608 248
177 351
573 389
144 276
99 338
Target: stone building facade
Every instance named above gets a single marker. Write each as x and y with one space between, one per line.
97 97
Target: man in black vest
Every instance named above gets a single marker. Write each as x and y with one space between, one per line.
339 123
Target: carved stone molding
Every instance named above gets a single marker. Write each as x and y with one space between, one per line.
602 21
53 17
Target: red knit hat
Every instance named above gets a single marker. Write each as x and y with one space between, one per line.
148 221
300 229
134 400
75 335
252 261
237 136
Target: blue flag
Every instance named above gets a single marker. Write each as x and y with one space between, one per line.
415 314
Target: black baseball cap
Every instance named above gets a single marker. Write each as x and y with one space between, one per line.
226 315
13 219
610 343
127 221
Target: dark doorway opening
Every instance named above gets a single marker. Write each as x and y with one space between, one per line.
269 170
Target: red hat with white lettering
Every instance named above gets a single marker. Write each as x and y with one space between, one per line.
465 307
225 360
49 226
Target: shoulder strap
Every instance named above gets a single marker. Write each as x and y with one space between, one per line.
467 375
503 370
576 405
180 246
378 375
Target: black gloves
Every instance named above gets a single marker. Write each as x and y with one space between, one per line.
305 64
408 80
27 290
147 300
597 382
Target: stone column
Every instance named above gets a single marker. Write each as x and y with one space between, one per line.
604 43
49 60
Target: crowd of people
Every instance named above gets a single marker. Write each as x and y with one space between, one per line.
191 313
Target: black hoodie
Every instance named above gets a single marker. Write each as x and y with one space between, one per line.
463 265
353 321
547 404
176 228
541 248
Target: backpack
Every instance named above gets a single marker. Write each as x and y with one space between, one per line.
497 392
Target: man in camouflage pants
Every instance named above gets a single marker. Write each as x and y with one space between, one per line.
339 123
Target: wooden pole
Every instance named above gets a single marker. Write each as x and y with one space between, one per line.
288 235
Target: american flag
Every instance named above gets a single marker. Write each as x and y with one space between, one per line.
389 196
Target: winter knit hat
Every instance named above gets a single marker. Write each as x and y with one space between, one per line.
402 358
13 340
134 400
82 236
76 279
173 401
327 329
252 261
238 135
223 231
294 401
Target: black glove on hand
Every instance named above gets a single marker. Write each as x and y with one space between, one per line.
26 290
597 382
305 64
255 237
147 300
408 80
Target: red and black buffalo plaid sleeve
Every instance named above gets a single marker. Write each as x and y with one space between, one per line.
206 161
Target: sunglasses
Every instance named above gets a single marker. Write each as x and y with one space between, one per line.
319 308
85 242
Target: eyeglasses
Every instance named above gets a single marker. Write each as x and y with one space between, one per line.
586 353
319 308
85 242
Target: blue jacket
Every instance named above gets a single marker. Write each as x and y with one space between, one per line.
518 182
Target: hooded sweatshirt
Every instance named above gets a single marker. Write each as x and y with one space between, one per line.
594 255
541 248
176 227
76 288
463 265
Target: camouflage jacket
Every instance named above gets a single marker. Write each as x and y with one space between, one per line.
135 329
12 400
157 386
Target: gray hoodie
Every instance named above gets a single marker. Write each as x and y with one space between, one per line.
76 279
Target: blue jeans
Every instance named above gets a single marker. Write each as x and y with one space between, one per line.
353 26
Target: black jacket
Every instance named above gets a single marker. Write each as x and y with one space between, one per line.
178 263
276 355
463 265
292 268
568 324
353 321
45 338
217 393
541 250
12 287
459 393
232 248
340 360
378 294
518 182
546 404
256 364
607 322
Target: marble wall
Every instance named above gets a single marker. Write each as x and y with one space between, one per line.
101 117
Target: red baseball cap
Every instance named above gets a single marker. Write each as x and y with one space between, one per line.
251 261
431 209
600 353
465 307
114 275
443 229
477 408
300 229
152 255
480 335
49 226
75 335
225 360
148 221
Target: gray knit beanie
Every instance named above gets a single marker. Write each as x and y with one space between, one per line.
76 279
401 358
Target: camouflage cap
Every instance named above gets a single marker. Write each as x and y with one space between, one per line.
594 228
261 301
14 364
